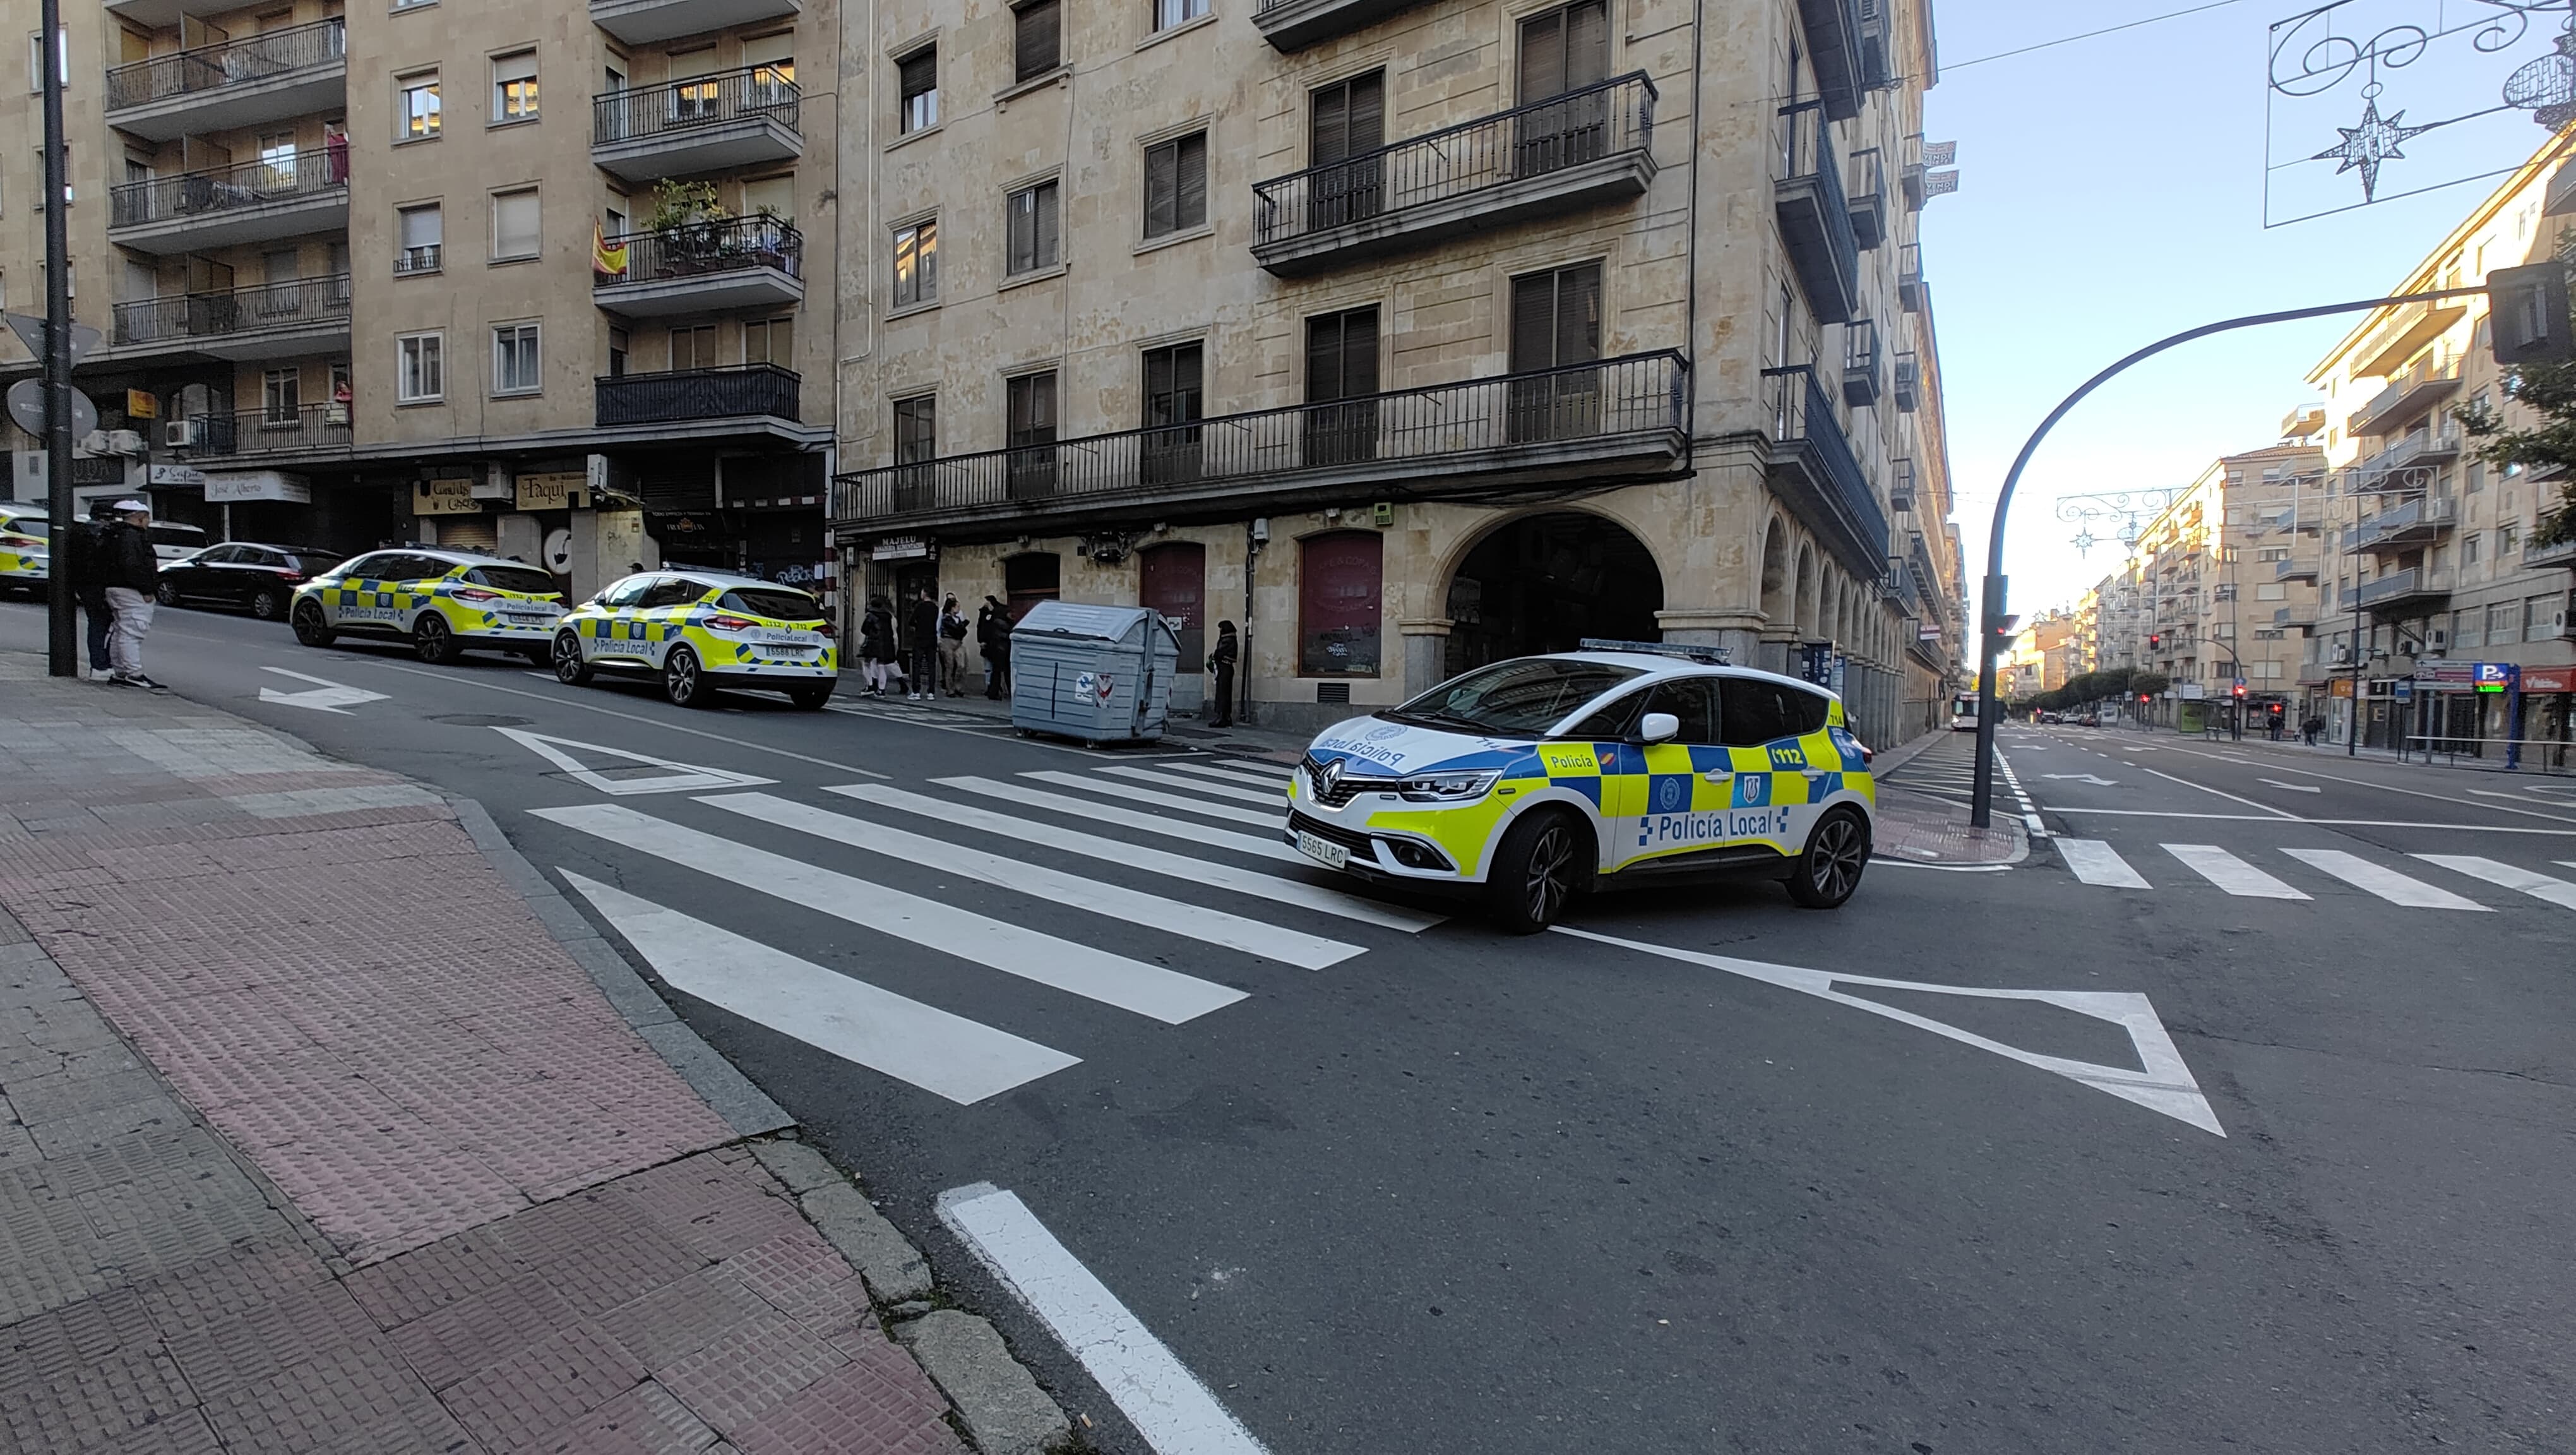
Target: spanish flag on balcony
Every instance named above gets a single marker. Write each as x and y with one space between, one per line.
609 261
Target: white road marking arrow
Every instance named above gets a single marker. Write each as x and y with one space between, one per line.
2302 787
674 777
2164 1084
2086 778
325 696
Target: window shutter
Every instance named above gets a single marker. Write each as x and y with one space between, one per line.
1323 359
1368 112
520 67
1359 352
1533 322
1188 362
1162 188
1038 51
1578 314
1587 43
1330 136
1190 208
919 72
1542 56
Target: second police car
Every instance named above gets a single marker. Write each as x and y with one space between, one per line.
698 631
25 555
1534 780
442 602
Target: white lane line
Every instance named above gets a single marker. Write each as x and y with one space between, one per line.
2096 862
2564 863
2222 793
560 700
1166 1403
1138 856
2387 883
2349 823
2230 873
948 1055
2393 788
1148 990
1094 896
1267 797
2295 787
2539 886
1232 779
1133 794
1128 818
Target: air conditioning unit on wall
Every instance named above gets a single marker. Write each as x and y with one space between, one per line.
179 434
2439 639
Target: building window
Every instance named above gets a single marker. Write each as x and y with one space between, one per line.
1037 44
1339 587
1556 321
693 347
2468 628
515 230
620 344
416 107
1030 422
516 367
1341 365
772 59
280 396
420 230
917 79
2543 617
1345 126
916 263
2469 548
514 87
1036 228
1168 13
36 58
1176 185
420 372
770 341
1175 384
2507 536
916 443
1564 50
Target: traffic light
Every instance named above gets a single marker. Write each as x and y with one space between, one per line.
2146 697
2275 710
2238 689
2155 641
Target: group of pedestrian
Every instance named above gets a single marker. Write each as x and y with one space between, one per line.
924 649
2311 727
114 574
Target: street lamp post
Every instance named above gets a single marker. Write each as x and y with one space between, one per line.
1991 617
62 657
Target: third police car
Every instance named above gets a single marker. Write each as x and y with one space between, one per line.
1537 778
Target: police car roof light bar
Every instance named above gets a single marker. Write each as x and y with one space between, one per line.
1689 652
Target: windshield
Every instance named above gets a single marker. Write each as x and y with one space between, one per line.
1521 698
775 602
25 525
526 579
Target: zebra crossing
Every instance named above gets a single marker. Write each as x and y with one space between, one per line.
1222 899
2097 863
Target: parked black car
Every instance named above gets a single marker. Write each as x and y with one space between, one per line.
246 577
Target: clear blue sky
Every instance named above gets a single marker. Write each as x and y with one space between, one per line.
2112 193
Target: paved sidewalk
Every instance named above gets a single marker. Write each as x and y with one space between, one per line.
313 1138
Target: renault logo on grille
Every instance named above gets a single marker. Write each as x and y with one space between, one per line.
1328 778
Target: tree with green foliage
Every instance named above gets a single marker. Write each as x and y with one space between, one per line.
2548 391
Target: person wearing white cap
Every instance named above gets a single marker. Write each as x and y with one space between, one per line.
131 572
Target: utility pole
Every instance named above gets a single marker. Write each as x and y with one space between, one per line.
61 641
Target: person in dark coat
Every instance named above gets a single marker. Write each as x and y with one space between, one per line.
921 646
876 643
130 571
993 634
1220 664
80 563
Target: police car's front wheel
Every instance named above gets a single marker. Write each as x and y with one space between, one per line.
1827 873
1537 868
569 667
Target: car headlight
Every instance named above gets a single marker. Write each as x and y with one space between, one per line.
1447 787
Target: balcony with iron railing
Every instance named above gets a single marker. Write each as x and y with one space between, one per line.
2407 397
1815 213
2552 553
2410 526
1291 25
735 118
2404 330
735 392
1900 487
417 259
1900 587
2293 569
269 76
2408 462
265 321
2398 592
1847 51
1909 277
1909 382
1586 148
1812 466
289 195
1864 373
1615 418
1866 195
310 431
703 267
649 22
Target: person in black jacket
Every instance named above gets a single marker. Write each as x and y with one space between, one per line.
876 643
993 634
1221 663
130 571
921 646
79 560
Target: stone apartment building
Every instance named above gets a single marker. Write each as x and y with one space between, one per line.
2427 547
1406 335
429 271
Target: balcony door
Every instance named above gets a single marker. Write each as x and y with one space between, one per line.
916 445
696 97
1175 386
1031 406
1346 126
1556 323
1561 51
1341 364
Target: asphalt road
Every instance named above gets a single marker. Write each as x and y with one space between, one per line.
2273 1172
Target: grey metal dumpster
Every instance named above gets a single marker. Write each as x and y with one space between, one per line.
1099 673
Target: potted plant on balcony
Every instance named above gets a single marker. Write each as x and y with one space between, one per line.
688 225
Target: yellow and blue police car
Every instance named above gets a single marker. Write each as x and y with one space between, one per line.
26 558
1535 780
701 630
442 602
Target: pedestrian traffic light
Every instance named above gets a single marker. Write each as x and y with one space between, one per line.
2238 689
2274 710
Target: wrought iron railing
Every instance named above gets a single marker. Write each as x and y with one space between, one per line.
728 245
288 178
2422 514
2402 465
1602 120
700 101
419 258
242 62
307 429
734 392
2405 392
296 303
1802 413
1572 405
2395 586
1804 152
2552 553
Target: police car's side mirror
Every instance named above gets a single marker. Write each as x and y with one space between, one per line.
1659 727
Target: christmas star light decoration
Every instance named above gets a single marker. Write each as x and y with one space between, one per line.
2369 144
